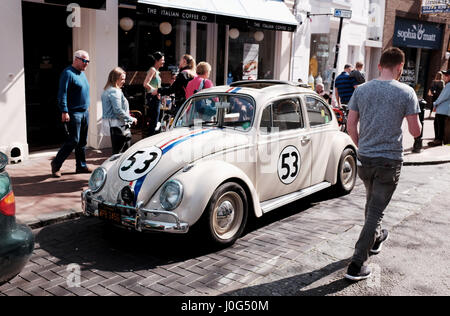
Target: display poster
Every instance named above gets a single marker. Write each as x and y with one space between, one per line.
250 62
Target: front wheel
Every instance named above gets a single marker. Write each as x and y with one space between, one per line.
226 214
347 171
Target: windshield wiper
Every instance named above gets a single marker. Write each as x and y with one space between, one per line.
203 124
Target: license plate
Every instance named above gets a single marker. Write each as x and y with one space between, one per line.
109 213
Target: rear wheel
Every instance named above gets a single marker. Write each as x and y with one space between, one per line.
347 170
226 215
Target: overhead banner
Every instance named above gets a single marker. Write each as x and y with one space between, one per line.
417 34
435 6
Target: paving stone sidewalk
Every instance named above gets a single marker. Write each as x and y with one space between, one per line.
281 254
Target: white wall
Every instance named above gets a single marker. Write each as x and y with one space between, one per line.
98 35
13 130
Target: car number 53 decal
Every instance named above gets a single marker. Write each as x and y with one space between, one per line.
139 163
289 165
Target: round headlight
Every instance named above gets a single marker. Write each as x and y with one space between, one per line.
171 194
97 180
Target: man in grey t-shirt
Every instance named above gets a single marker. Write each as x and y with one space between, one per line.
380 107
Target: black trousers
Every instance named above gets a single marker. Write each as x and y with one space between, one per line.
439 126
119 140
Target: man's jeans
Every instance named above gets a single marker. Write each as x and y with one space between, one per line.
77 139
380 177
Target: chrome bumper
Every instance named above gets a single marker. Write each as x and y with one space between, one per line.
137 221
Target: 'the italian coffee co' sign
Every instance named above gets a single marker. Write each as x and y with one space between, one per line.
418 34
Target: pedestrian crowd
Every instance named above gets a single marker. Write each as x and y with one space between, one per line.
74 101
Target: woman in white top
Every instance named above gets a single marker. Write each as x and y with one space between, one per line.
116 112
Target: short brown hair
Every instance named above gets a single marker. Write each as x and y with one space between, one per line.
392 57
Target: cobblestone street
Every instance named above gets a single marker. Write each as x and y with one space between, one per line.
283 253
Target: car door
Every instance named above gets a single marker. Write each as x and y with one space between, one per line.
320 126
284 150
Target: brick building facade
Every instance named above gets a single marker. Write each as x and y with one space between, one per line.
430 59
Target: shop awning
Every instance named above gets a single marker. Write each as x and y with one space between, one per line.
264 14
91 4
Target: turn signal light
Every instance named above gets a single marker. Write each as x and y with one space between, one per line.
8 205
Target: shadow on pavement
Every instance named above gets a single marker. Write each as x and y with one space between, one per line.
294 285
94 245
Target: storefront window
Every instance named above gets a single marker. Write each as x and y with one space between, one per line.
251 56
146 37
322 59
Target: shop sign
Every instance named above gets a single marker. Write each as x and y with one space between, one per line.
411 33
166 12
435 6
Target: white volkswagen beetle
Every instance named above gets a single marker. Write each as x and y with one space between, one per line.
253 146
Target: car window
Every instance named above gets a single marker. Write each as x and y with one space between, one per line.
318 112
218 111
282 115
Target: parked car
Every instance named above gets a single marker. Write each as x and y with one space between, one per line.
16 241
253 146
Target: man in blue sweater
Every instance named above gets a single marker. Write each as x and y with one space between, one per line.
74 100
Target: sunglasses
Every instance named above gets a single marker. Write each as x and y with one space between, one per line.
84 60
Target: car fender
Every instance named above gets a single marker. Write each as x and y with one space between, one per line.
201 179
340 142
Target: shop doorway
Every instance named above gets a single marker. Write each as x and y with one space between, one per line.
415 72
47 52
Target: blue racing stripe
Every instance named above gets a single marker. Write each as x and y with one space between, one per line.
137 188
165 150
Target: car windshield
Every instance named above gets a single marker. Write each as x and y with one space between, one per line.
231 111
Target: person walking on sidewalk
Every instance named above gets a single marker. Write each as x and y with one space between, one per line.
442 106
358 73
345 86
74 100
380 107
116 118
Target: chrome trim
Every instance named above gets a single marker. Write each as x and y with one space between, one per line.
103 182
275 203
180 197
137 223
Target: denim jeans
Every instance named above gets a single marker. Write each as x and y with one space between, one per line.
380 177
77 139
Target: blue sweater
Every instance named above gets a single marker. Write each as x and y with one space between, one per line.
73 94
442 104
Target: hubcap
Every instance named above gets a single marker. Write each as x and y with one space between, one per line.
228 215
348 172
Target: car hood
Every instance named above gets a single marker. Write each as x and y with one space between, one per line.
177 148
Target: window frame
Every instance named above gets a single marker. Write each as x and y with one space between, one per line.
270 104
324 103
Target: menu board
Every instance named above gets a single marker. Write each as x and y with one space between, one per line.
250 62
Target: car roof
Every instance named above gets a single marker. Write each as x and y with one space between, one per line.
257 88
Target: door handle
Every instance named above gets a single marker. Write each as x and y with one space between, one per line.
305 139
